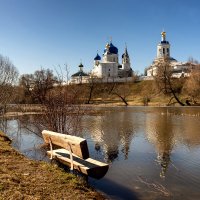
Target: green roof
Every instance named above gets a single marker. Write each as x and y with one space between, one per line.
80 73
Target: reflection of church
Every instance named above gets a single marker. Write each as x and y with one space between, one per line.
107 68
161 134
112 140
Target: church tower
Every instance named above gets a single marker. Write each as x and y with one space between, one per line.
126 60
97 59
110 53
163 48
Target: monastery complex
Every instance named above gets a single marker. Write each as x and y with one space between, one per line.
109 69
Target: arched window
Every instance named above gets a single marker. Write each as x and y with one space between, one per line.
163 50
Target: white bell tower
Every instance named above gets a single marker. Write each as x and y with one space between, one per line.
163 48
126 60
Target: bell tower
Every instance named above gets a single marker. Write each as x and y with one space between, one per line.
163 48
126 60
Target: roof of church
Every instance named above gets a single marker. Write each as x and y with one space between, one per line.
97 57
111 49
80 73
172 59
125 54
81 65
164 42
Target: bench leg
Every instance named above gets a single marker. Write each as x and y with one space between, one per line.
51 149
71 157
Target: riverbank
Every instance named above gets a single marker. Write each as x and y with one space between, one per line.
22 178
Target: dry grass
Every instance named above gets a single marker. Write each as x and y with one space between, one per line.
138 92
21 178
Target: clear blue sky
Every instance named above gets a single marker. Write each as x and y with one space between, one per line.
48 33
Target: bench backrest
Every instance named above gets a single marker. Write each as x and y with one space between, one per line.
78 145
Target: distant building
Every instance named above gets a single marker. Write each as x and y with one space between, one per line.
180 69
107 68
80 77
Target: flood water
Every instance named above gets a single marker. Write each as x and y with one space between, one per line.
153 152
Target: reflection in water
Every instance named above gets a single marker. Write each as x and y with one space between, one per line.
25 141
160 132
130 139
111 133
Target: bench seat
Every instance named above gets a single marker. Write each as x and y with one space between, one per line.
89 166
74 153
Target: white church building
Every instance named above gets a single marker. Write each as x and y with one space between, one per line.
107 68
180 69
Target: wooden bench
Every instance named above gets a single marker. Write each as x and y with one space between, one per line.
74 153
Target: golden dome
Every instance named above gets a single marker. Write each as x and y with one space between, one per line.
107 46
163 33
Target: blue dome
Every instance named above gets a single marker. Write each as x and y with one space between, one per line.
172 59
97 57
113 49
164 42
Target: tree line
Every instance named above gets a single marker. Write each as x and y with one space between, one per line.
44 86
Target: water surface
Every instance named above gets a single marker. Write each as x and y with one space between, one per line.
153 152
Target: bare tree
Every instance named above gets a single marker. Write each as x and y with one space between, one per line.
38 84
192 85
60 109
165 81
191 60
119 90
92 86
122 91
8 78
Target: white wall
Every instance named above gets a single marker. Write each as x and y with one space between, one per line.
160 48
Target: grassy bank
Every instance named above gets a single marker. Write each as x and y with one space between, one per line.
22 178
137 94
110 94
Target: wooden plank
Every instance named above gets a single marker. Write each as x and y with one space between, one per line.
78 145
90 167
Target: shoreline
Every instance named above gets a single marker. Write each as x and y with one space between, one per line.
22 113
23 178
